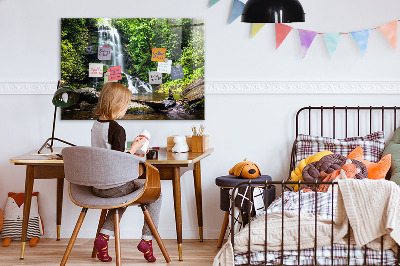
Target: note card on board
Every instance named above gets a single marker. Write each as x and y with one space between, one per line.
177 72
106 75
164 67
155 77
95 70
158 54
115 73
104 53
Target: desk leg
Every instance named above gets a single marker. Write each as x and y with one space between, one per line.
27 206
60 190
176 182
199 204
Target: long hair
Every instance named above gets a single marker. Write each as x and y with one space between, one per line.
113 98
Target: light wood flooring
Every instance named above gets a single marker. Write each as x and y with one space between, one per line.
50 252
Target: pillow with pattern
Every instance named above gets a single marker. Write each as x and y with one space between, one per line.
372 145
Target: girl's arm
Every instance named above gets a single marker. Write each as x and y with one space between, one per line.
136 145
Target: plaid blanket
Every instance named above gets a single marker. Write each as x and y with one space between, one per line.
324 257
323 205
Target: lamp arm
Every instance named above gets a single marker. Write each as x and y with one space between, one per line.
46 143
54 126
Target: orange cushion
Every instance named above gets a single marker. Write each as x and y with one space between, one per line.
375 170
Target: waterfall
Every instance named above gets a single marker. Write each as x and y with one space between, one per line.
109 36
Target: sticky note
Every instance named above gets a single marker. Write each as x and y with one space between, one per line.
155 77
158 54
95 70
104 53
177 72
164 67
115 73
106 75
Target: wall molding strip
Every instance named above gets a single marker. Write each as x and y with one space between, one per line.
250 87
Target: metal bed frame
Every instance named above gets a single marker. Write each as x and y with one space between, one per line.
284 184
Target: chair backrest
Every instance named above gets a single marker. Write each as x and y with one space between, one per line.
92 166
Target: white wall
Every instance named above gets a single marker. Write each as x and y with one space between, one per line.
254 126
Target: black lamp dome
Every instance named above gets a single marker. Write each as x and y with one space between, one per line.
273 11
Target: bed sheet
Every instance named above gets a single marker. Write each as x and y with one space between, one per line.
324 206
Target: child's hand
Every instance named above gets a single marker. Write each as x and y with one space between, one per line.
137 144
142 155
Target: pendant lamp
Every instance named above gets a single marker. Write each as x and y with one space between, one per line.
273 11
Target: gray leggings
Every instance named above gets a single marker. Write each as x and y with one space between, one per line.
154 208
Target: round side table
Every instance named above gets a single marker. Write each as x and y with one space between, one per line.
228 182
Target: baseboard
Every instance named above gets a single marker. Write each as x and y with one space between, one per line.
248 87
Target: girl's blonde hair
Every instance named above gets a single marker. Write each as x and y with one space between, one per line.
113 98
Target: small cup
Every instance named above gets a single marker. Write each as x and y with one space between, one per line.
152 155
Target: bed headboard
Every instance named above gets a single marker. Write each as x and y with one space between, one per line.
344 121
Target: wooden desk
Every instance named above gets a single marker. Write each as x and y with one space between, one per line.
169 165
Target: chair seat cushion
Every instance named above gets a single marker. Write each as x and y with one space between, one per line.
83 196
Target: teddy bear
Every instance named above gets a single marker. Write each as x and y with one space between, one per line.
180 144
245 169
13 215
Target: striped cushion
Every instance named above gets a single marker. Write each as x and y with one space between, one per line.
372 145
13 228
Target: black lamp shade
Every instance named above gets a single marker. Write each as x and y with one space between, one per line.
73 97
273 11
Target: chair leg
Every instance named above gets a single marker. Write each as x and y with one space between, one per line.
73 237
117 239
223 229
154 230
101 222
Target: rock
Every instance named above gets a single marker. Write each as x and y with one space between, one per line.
85 106
195 91
89 95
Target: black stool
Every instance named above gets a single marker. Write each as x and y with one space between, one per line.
226 183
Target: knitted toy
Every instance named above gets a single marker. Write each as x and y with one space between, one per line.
245 169
375 170
180 144
13 215
348 170
316 171
296 174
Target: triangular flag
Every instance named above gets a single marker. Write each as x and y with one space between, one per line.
237 9
332 41
256 27
212 2
306 39
361 37
281 31
390 32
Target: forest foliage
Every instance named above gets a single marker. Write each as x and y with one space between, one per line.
183 38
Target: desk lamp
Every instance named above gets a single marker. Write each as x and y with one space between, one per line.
65 96
273 11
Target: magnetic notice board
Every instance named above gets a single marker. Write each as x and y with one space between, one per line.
161 60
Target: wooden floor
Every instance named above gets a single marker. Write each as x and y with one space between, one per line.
50 252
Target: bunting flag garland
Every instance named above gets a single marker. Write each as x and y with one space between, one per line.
256 27
281 31
361 38
306 39
237 9
213 2
389 30
332 41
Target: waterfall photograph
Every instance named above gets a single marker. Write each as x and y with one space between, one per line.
160 60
